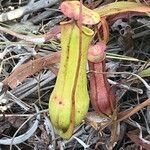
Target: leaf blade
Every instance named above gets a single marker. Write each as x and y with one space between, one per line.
119 7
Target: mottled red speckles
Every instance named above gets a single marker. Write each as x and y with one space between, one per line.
96 53
101 94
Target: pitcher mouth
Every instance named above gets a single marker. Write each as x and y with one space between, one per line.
87 31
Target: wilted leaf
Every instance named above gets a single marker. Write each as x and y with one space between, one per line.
119 7
126 114
30 68
138 141
71 9
97 121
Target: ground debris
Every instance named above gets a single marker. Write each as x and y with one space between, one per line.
29 62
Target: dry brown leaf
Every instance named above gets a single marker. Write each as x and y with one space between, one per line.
137 140
126 114
30 68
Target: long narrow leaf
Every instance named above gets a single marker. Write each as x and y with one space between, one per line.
123 6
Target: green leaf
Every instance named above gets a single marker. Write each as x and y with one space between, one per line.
119 7
145 72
